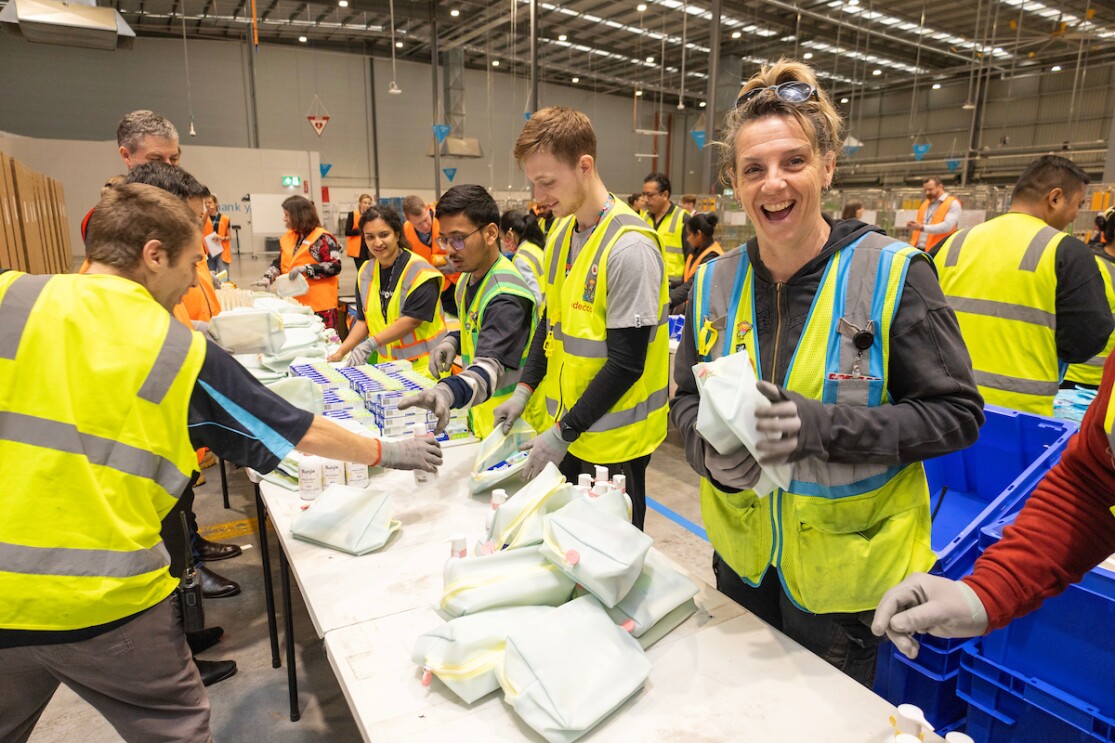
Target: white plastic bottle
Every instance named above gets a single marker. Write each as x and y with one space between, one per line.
458 546
356 474
332 472
584 484
419 431
601 473
309 477
499 497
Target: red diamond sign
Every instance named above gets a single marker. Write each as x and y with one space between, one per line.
318 123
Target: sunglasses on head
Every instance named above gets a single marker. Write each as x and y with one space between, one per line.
791 92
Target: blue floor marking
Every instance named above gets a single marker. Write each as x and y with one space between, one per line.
677 518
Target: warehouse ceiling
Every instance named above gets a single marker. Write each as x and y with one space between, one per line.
620 47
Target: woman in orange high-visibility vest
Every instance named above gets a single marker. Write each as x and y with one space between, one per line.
354 240
309 250
215 222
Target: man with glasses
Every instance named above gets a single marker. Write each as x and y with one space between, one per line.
669 221
497 314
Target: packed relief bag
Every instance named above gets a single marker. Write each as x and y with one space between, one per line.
567 671
285 286
248 331
518 522
499 459
464 652
352 520
660 600
301 392
595 548
726 414
509 578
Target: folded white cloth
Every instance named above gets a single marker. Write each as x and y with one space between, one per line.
353 520
509 578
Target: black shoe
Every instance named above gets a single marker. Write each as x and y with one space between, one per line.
209 551
214 586
202 640
215 671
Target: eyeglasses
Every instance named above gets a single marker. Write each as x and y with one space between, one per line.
649 195
791 92
457 243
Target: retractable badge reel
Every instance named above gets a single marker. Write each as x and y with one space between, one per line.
862 340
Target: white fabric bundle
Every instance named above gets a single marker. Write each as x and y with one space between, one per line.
301 392
248 331
568 670
465 652
726 415
599 550
284 286
660 600
352 520
508 578
518 522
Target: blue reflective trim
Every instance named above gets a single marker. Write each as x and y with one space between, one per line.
860 487
704 274
677 518
263 433
737 290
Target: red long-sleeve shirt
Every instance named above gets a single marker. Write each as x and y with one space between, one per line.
1066 528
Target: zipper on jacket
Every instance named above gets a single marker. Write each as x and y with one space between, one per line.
777 332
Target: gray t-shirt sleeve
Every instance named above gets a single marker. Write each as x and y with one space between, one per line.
636 275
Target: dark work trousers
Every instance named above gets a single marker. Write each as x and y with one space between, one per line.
843 640
635 470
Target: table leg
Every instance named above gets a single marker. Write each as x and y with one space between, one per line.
224 481
288 629
268 588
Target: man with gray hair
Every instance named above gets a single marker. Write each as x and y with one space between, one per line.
938 217
145 136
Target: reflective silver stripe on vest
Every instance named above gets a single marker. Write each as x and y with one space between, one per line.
532 259
1032 257
1003 311
1098 361
167 364
65 437
1016 384
593 349
558 242
620 418
15 310
415 350
81 563
954 248
858 296
365 280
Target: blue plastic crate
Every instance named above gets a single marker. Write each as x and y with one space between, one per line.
1068 643
989 480
902 681
1004 707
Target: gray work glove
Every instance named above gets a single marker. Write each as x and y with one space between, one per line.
263 281
411 454
443 356
362 352
547 447
437 400
296 270
737 470
510 410
928 603
781 420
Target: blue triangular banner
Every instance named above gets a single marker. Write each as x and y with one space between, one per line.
450 173
698 137
325 168
441 131
850 150
526 115
920 150
952 164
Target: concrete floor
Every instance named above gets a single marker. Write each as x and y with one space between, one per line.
252 705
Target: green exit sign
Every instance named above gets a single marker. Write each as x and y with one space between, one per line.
292 181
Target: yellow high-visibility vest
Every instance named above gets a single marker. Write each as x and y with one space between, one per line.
416 345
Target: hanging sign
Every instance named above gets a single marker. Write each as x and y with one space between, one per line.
526 115
441 131
318 123
317 115
851 146
324 168
450 173
952 164
920 150
698 137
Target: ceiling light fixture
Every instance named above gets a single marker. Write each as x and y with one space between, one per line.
876 73
576 79
495 63
807 55
853 3
736 34
641 7
843 100
638 92
342 3
936 86
303 39
454 12
1055 68
398 45
562 37
702 104
650 60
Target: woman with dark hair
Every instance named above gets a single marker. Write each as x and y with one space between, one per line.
703 247
397 310
354 241
852 210
309 250
524 243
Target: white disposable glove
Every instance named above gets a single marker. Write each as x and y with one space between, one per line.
411 454
511 409
736 470
928 603
443 356
437 400
545 448
362 352
781 421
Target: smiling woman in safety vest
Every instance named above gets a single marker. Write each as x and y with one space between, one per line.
309 250
398 315
864 369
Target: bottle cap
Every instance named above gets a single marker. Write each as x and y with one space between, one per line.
584 480
601 473
499 497
572 557
459 545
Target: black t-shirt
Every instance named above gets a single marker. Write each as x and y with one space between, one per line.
506 327
238 418
1083 316
421 302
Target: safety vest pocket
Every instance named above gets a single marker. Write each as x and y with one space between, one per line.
738 526
864 391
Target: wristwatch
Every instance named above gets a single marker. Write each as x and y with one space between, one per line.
568 435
